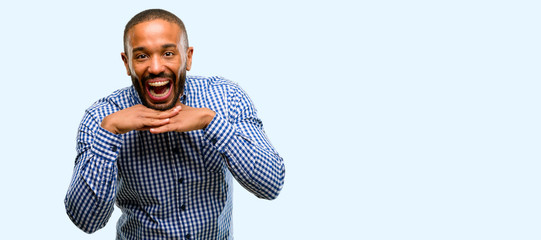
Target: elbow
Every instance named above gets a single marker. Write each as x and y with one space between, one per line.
273 192
79 224
269 197
77 217
87 229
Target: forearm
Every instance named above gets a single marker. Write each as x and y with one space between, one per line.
90 207
90 198
259 170
250 157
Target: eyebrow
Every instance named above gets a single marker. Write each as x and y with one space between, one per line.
169 45
138 49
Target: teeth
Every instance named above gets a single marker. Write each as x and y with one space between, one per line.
158 84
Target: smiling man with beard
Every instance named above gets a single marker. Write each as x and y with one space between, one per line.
166 149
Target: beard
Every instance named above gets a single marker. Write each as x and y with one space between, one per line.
178 88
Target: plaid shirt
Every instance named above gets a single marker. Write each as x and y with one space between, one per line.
172 185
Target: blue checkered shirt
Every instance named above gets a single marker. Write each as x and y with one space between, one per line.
172 185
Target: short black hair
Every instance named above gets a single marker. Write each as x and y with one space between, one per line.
152 14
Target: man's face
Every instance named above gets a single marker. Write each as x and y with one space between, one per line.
157 62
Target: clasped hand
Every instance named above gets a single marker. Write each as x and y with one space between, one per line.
180 118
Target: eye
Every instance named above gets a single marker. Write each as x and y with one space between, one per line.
168 54
141 56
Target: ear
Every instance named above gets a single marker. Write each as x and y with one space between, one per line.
189 54
126 63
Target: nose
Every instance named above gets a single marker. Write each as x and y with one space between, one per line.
156 65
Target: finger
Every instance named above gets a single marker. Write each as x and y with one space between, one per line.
153 122
175 110
161 129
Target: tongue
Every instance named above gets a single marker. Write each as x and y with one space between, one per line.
160 90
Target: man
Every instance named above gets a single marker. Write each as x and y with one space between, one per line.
166 149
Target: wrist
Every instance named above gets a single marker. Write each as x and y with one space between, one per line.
107 125
207 118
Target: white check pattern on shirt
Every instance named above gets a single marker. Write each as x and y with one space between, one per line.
172 185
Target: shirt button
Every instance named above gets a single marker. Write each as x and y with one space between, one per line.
213 141
188 236
176 151
183 207
180 180
113 148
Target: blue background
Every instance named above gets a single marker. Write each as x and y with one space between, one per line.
396 119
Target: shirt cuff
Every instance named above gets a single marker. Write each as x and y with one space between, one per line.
106 145
219 132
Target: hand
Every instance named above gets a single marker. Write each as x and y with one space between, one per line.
138 117
188 119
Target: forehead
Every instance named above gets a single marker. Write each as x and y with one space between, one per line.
154 33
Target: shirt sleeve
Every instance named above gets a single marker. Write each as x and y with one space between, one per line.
90 198
250 157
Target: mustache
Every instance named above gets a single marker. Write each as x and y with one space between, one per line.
159 75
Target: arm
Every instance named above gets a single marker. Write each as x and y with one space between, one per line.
90 198
91 194
249 154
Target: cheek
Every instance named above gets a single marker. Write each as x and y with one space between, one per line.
137 71
181 66
180 62
176 68
134 74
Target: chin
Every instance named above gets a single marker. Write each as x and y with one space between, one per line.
161 106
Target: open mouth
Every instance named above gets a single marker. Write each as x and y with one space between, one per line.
158 89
